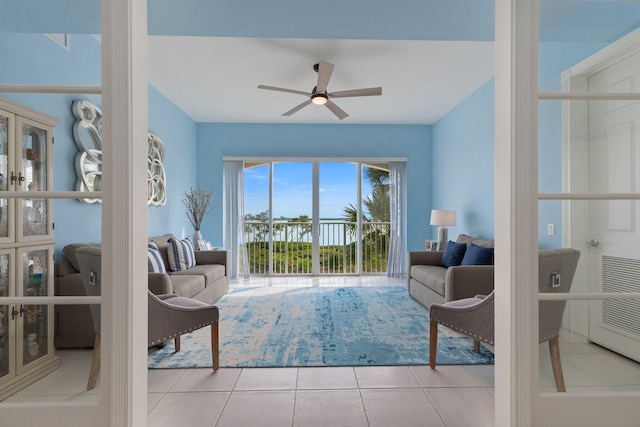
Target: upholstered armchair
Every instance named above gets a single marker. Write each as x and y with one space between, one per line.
475 316
170 315
91 272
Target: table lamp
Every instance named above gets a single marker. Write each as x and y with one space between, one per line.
443 218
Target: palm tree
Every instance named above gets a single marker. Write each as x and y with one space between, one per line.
376 205
351 219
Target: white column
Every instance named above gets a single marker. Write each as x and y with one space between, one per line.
124 211
516 211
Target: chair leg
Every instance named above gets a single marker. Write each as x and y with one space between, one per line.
476 345
215 350
95 364
177 343
556 364
433 343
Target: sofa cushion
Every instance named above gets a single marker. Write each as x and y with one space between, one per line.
477 255
211 272
431 276
485 243
181 254
187 285
154 258
453 254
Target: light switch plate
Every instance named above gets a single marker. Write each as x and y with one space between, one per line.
555 280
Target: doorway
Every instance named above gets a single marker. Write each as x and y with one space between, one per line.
604 156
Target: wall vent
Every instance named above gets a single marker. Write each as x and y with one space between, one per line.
621 275
61 39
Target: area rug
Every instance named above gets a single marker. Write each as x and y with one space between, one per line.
296 327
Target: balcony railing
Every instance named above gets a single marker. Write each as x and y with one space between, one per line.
292 247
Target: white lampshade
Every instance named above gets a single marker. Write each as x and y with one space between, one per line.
443 217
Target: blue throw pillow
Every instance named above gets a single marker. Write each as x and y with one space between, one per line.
477 255
453 254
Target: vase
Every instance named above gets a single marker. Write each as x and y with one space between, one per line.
197 236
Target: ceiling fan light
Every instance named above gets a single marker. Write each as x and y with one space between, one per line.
319 99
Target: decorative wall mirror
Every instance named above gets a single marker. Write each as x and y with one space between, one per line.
87 133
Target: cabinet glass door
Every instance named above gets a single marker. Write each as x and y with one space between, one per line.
6 205
33 176
6 351
35 281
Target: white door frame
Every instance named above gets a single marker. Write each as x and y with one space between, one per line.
516 211
518 401
123 371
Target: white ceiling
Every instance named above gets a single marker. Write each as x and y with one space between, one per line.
215 79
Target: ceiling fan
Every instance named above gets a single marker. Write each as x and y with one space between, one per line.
319 94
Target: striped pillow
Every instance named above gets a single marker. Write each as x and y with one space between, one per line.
156 265
181 254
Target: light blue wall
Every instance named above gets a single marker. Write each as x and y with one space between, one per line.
216 140
178 132
80 222
463 164
34 59
463 150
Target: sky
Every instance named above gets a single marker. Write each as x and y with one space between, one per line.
292 189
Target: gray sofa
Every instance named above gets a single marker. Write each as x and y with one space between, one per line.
206 282
428 282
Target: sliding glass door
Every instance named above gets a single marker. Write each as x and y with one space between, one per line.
293 219
338 218
315 217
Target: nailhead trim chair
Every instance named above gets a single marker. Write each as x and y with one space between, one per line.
475 316
169 315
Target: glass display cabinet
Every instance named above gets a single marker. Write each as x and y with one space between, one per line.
26 247
7 130
7 353
34 221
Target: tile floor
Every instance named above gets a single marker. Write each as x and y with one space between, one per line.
345 396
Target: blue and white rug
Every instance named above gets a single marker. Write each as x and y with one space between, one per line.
296 327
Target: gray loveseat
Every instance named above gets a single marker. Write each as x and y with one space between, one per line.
428 281
206 282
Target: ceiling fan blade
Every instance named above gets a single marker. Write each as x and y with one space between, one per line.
339 112
281 89
370 91
297 108
324 74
